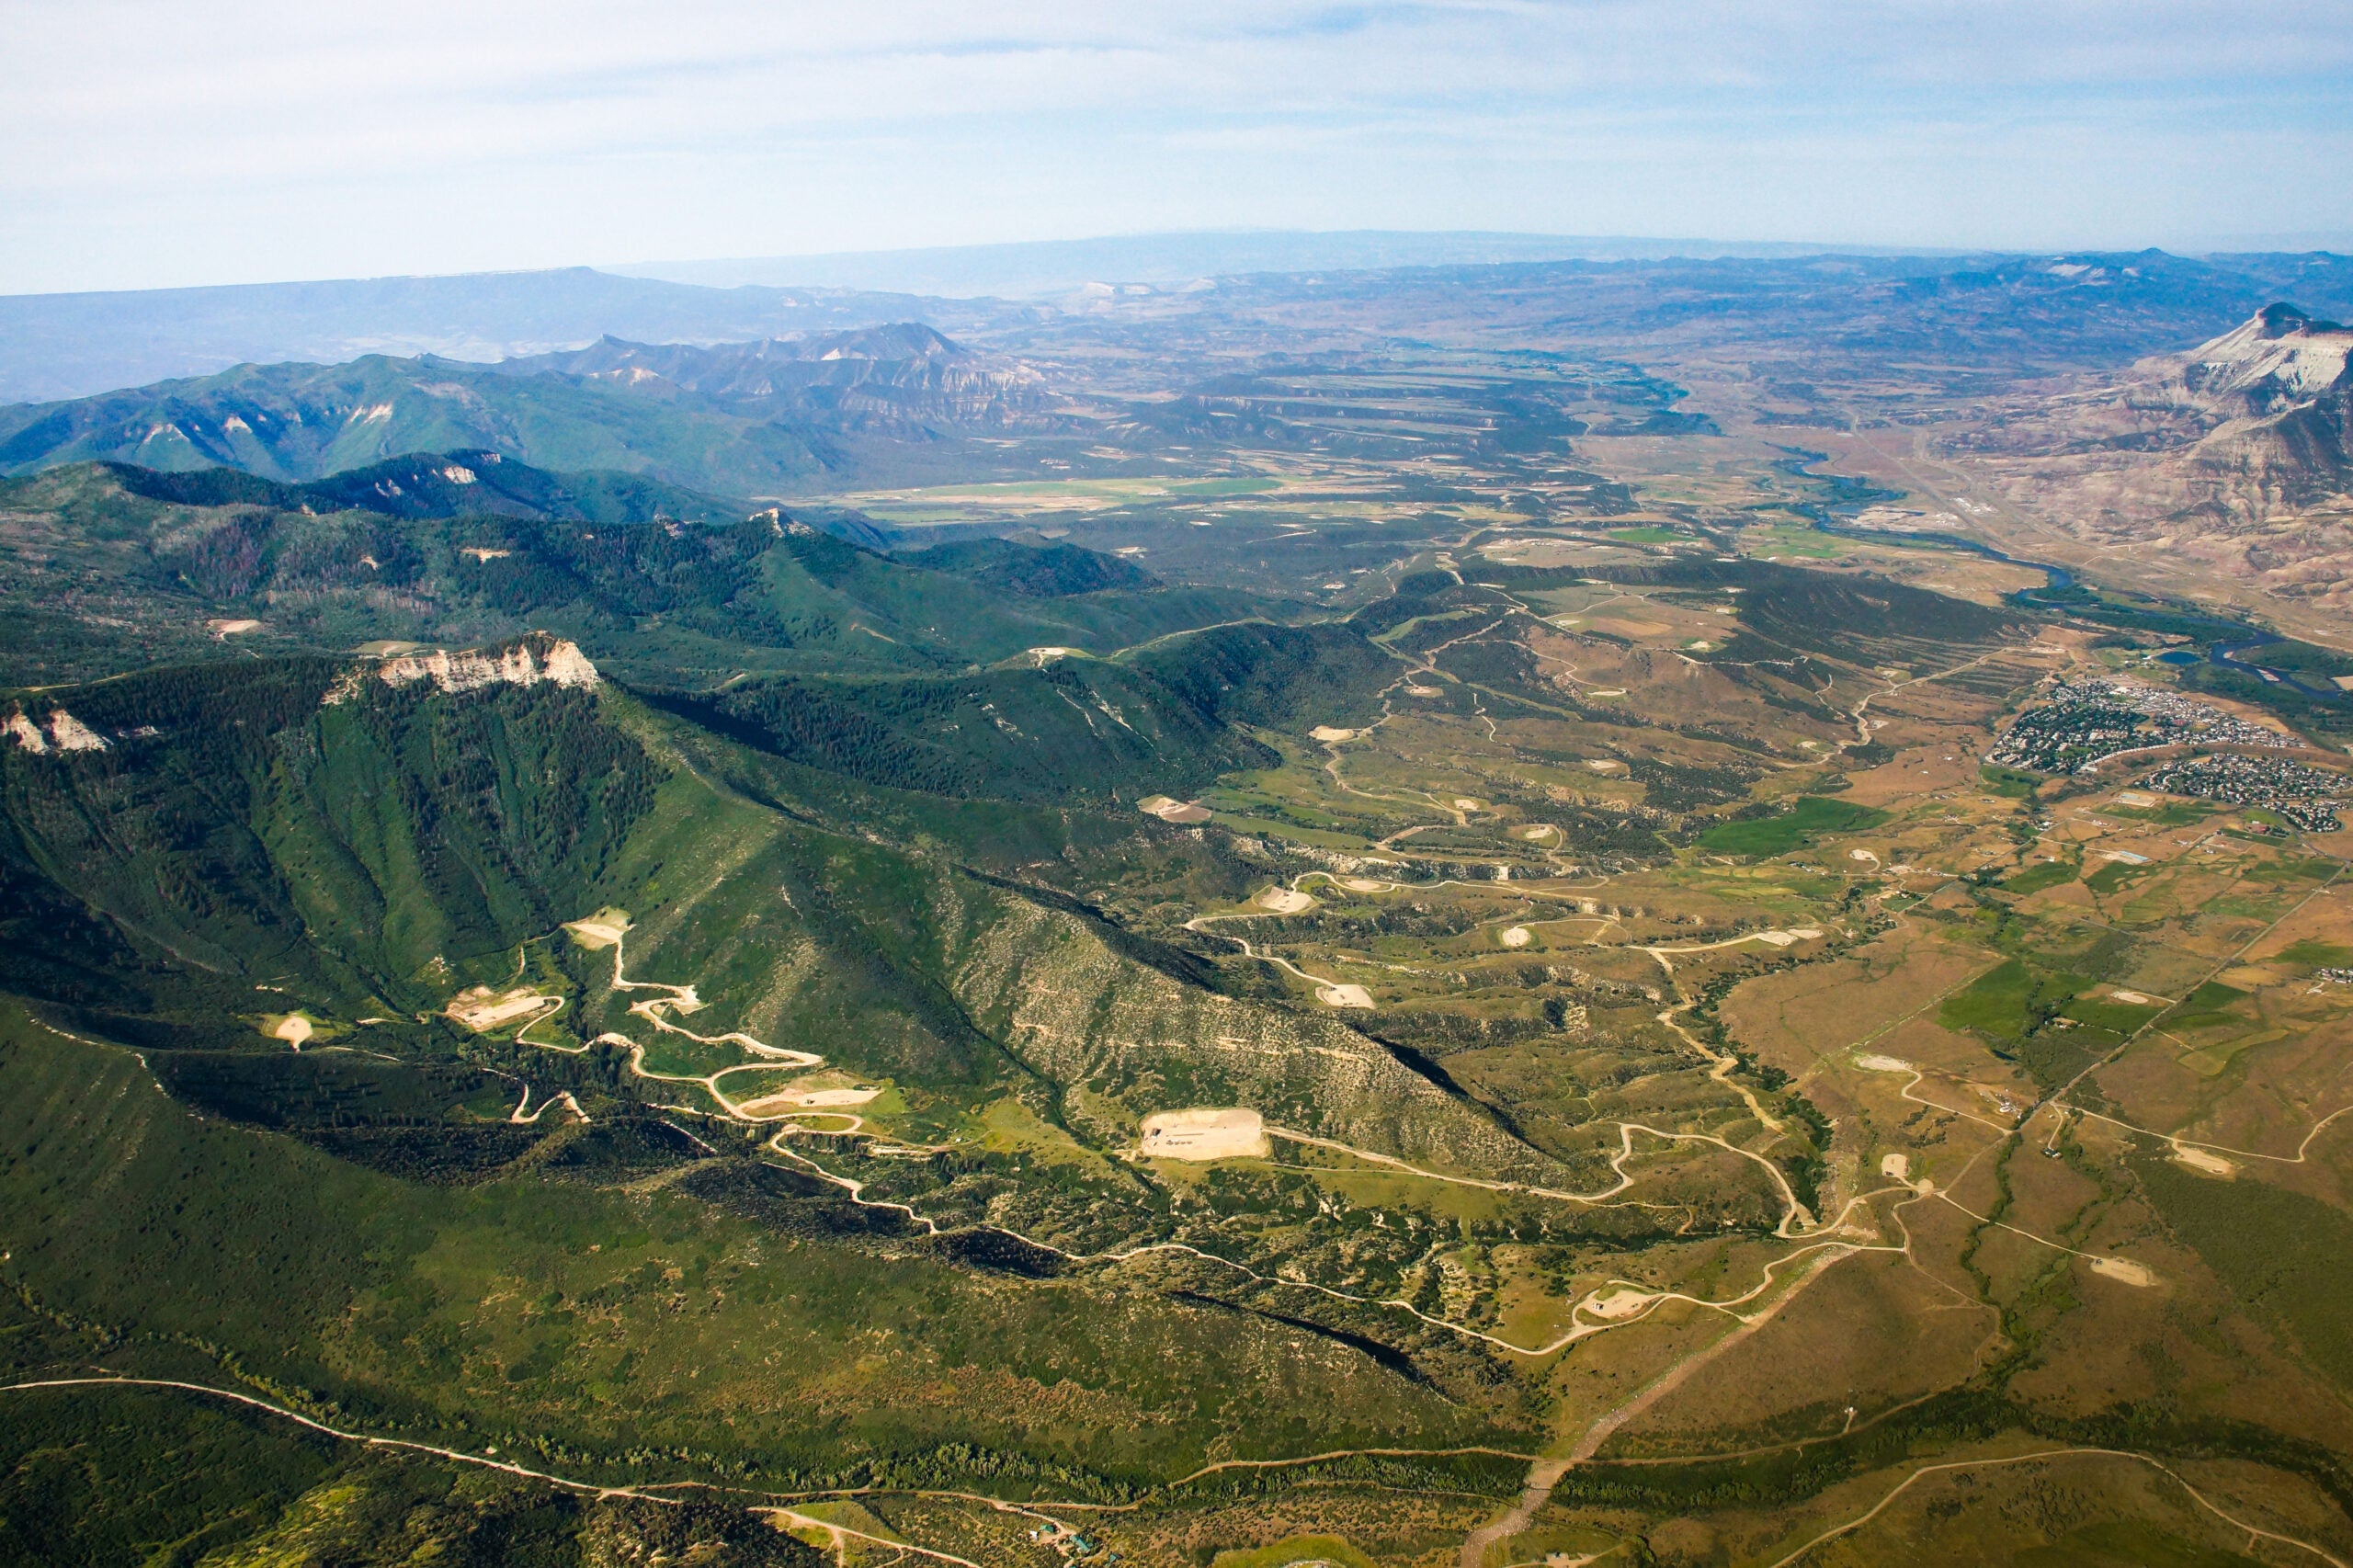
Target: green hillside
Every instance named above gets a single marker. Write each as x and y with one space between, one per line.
442 484
298 836
302 422
1052 570
735 419
1073 728
360 1228
541 1318
1290 677
161 562
346 852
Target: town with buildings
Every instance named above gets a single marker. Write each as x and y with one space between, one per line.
2305 797
2087 721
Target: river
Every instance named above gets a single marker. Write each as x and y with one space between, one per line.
2232 638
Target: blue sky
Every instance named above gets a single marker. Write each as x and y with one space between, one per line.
146 144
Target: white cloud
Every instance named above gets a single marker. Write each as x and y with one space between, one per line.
144 143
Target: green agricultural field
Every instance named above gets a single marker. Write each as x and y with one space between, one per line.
2041 875
1810 817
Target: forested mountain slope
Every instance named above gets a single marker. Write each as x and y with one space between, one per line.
364 836
737 419
103 558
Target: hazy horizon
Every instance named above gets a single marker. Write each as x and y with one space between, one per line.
298 145
1034 266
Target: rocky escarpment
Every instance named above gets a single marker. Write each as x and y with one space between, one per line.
2276 359
2282 387
2232 458
533 660
2298 457
57 731
2316 440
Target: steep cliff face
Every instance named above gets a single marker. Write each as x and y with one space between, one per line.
2277 358
58 730
2281 386
2234 457
2298 457
2318 437
535 658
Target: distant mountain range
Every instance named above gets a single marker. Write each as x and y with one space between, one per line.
742 419
899 378
66 346
61 346
1034 268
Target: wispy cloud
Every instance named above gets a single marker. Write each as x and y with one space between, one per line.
144 143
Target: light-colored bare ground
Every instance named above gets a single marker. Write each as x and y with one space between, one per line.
1215 1132
480 1008
2204 1163
1620 1303
2124 1271
808 1099
596 935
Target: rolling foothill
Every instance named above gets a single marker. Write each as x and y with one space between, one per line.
1556 913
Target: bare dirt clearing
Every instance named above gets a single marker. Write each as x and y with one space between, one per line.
2204 1163
2124 1271
806 1099
600 930
1205 1133
481 1009
1617 1304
